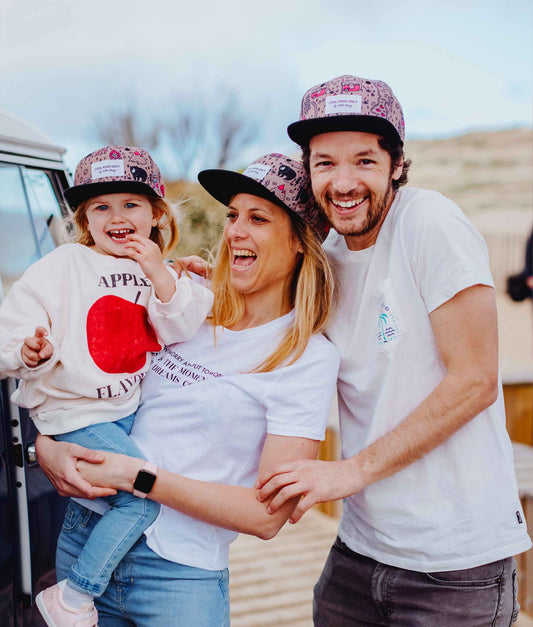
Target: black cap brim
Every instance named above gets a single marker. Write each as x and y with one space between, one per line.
78 193
302 131
223 185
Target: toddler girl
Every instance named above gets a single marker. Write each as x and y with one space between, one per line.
79 327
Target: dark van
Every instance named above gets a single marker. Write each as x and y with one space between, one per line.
32 179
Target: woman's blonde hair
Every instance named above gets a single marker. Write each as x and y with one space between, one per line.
312 296
165 233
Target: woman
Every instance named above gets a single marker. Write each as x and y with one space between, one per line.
251 390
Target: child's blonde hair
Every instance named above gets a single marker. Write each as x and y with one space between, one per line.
165 233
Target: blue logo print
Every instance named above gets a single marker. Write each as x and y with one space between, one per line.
388 330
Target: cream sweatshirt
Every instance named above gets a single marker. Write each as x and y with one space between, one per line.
104 322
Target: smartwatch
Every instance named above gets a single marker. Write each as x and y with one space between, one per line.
145 480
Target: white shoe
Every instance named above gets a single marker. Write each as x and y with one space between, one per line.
57 613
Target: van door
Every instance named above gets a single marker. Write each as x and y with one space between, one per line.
31 225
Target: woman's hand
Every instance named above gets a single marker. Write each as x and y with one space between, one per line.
192 263
58 460
116 471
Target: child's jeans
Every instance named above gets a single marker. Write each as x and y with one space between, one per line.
121 526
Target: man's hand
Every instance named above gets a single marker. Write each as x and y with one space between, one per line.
314 481
37 349
58 460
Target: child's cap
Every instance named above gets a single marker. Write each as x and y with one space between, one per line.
274 177
115 169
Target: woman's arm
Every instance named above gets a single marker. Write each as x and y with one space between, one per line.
232 507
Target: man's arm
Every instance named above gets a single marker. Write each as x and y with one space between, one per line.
465 329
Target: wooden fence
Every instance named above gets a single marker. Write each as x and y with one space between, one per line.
506 254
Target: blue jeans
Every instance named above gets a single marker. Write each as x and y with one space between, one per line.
147 590
357 590
122 525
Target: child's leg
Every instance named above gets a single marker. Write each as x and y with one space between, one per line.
122 525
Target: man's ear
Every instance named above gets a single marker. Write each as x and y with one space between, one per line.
398 170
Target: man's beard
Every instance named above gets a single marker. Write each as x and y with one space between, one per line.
377 208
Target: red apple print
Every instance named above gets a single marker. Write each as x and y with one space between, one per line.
119 335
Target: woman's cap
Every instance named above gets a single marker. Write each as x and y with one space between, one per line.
115 169
274 177
349 103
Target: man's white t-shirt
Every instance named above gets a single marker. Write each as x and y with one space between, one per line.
458 506
204 415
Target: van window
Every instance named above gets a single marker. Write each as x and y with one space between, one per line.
30 220
45 209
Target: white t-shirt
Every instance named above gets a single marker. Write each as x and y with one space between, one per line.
205 416
458 506
103 320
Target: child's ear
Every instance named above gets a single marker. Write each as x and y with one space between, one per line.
156 216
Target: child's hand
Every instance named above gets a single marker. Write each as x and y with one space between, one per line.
147 254
36 349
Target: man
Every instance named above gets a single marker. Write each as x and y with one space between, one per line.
431 513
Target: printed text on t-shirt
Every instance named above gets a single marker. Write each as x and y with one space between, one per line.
172 366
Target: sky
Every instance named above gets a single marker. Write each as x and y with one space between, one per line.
455 66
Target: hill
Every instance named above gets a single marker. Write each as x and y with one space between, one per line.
489 175
480 171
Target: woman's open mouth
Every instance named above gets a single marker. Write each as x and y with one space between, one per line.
243 258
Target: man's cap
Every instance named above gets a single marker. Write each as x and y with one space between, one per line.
274 177
115 169
349 103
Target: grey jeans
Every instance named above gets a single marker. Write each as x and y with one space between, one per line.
356 590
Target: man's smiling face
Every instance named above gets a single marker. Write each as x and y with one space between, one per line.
352 179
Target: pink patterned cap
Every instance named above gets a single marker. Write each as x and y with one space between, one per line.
349 103
274 177
115 169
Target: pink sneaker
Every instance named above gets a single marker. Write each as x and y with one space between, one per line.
57 614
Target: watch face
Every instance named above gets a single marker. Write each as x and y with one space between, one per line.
144 482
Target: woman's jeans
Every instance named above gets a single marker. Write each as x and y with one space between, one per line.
356 590
121 526
146 590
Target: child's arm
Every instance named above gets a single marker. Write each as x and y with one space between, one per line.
180 305
37 349
25 352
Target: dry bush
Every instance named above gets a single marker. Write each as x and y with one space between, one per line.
202 218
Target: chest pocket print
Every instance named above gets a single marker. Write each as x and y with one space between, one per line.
389 328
